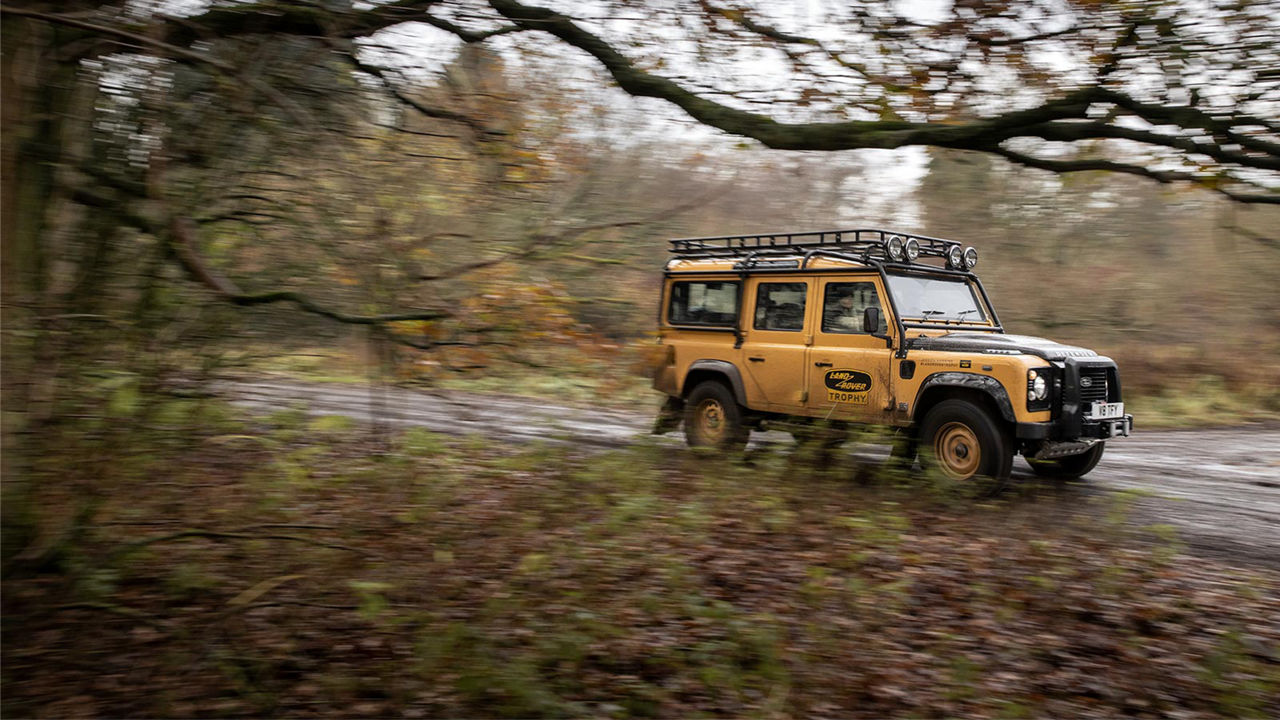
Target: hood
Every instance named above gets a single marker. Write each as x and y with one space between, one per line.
993 344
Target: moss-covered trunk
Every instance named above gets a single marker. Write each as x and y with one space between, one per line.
37 108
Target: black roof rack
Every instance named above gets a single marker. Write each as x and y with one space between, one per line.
861 245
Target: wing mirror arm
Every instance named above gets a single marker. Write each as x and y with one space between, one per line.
871 323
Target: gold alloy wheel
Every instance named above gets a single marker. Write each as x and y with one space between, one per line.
957 449
711 420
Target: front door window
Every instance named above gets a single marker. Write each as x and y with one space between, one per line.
844 303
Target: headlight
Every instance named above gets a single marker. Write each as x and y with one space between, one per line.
955 257
913 249
1037 386
1041 384
895 248
970 258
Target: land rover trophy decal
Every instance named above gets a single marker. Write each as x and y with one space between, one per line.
847 386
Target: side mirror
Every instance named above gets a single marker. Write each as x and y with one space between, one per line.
871 320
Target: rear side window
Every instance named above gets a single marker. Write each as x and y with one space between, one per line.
710 302
780 306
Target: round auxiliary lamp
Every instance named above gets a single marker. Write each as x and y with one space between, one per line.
958 259
896 248
913 249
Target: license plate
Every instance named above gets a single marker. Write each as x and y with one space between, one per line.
1106 411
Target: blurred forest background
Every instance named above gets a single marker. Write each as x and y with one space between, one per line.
477 195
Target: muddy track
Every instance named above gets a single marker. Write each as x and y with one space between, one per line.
1220 488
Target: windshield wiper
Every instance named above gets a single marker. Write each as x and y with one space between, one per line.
927 315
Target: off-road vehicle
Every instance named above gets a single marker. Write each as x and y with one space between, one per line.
837 328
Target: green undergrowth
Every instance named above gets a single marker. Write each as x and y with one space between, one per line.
563 374
301 566
320 364
1206 400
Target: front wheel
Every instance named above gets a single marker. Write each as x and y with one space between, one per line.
713 418
1069 467
964 442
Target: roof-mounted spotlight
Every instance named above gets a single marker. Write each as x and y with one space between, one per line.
970 258
895 248
913 249
955 257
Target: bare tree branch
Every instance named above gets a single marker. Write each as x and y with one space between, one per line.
166 49
182 232
1163 176
380 74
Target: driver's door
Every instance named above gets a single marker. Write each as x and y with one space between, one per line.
849 373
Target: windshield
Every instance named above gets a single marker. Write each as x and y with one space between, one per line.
935 298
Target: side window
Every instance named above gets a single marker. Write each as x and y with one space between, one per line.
704 303
844 303
780 306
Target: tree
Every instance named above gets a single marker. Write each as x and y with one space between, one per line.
118 116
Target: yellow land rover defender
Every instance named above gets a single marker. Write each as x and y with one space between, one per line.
876 327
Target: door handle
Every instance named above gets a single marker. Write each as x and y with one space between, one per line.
756 359
822 364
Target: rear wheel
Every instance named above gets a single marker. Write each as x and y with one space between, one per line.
964 442
1069 467
713 418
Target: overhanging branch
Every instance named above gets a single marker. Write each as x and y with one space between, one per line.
1231 140
982 135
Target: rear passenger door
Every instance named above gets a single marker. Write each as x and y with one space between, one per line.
775 342
849 376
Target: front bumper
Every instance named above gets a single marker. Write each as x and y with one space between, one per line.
1122 427
1088 429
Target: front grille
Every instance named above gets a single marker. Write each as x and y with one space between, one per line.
1093 384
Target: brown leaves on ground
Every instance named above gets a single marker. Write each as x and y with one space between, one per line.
646 582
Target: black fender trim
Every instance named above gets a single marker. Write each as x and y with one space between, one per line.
723 367
973 381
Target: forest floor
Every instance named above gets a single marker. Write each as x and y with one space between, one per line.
1229 507
210 564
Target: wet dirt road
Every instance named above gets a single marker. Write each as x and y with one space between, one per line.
1220 488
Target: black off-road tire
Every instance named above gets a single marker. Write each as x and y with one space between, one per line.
713 418
953 431
1069 467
